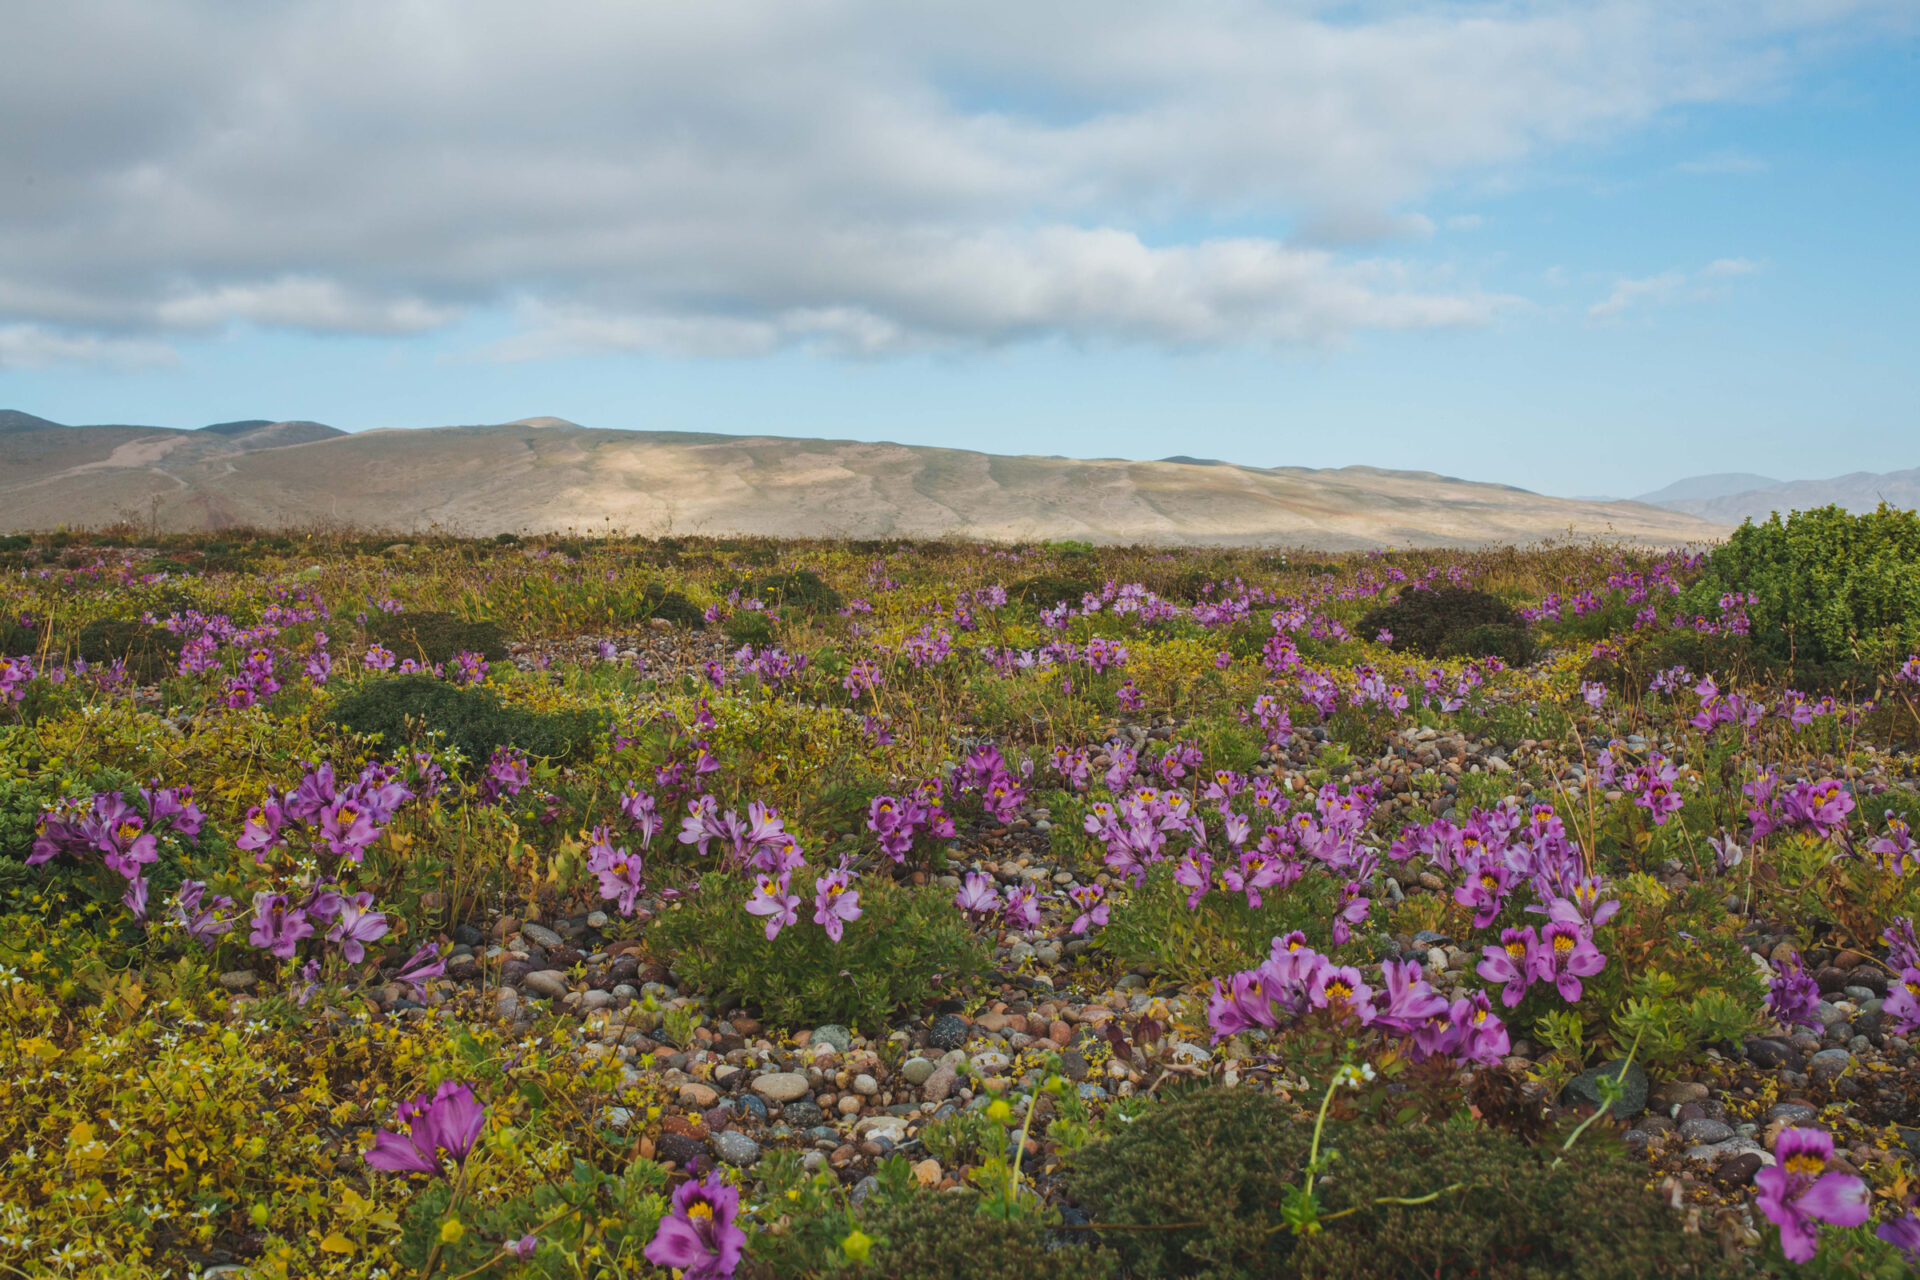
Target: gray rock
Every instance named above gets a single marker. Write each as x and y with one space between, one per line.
678 1149
939 1085
753 1106
1585 1088
949 1031
802 1113
1794 1113
238 980
546 982
838 1036
736 1148
1705 1132
916 1070
1769 1053
780 1086
1828 1063
864 1189
539 933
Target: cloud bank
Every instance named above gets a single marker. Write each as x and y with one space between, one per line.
852 175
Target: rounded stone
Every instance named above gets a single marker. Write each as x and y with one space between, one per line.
916 1071
780 1086
949 1031
838 1036
736 1148
550 983
1705 1132
1585 1088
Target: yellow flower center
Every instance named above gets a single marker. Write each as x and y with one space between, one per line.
1562 943
1338 991
1805 1164
700 1209
1516 949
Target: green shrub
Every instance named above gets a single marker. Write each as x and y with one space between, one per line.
434 637
908 946
749 627
1153 926
16 637
15 542
801 591
933 1236
1450 621
1224 1157
151 653
1831 587
614 1215
1524 1213
403 708
657 601
1045 591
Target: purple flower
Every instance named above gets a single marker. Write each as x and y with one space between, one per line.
357 923
525 1246
1093 909
203 925
278 926
447 1123
506 776
771 899
1410 1000
978 895
1341 986
1902 1005
1593 692
1196 873
835 901
1565 955
1904 1235
1798 1192
1023 908
1793 996
1508 963
420 966
698 1236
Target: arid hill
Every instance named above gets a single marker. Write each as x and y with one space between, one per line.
547 474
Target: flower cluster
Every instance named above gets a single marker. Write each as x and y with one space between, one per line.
125 836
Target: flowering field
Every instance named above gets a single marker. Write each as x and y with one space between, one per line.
581 907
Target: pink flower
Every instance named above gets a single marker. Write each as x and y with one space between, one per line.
835 902
447 1123
1508 963
978 894
1093 909
1798 1192
698 1236
771 899
1565 954
357 923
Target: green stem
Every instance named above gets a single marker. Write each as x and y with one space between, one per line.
1605 1103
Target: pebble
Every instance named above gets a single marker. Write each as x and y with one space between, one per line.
1737 1170
1705 1132
939 1085
541 935
1793 1113
801 1113
1585 1088
238 979
1770 1053
833 1034
916 1071
927 1173
700 1096
865 1085
780 1086
949 1031
546 982
736 1148
1828 1063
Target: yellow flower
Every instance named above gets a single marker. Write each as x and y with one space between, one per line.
858 1245
451 1231
999 1112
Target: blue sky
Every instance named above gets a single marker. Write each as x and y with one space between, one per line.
1581 249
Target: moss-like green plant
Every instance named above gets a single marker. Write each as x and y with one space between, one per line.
908 946
151 653
434 637
403 709
1450 621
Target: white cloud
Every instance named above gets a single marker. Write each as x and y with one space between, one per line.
1672 287
28 346
855 175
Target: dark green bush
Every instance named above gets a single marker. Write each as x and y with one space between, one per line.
748 627
801 591
1525 1213
403 708
1223 1158
16 637
932 1236
656 601
434 637
1832 587
1222 934
908 946
151 653
1449 622
1046 591
15 542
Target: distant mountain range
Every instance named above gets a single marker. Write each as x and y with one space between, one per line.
549 474
1732 497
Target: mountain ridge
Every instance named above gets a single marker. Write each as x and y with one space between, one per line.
541 474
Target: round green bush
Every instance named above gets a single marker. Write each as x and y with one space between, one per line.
935 1236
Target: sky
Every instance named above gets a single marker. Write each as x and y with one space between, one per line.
1583 248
